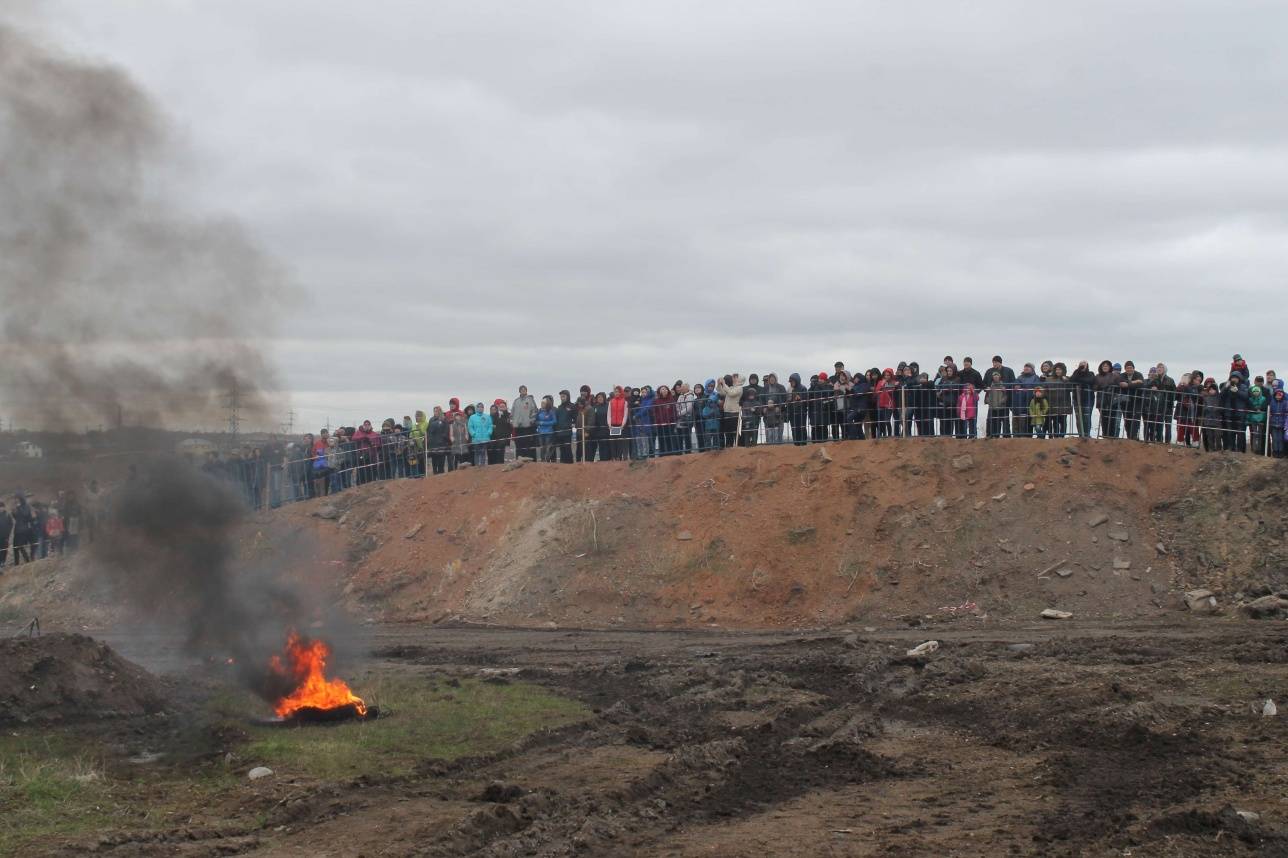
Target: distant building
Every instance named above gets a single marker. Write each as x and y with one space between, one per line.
28 450
195 448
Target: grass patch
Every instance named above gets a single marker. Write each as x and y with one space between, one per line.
60 783
426 720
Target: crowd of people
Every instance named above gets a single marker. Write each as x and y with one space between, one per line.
1241 412
32 529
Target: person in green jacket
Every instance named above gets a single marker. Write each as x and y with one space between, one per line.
1257 403
1039 407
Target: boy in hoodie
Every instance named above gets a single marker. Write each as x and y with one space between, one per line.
774 396
480 426
1039 408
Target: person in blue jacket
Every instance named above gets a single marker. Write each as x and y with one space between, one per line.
642 420
547 417
480 426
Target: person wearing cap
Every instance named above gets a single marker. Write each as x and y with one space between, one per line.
1258 405
1240 366
1131 385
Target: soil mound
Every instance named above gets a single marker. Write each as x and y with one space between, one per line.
924 532
69 677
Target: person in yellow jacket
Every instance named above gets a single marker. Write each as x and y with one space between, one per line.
1039 407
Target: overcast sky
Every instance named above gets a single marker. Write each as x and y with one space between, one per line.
475 195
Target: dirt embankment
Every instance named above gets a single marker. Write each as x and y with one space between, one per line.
67 678
790 537
927 532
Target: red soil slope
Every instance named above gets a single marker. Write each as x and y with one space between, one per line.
771 536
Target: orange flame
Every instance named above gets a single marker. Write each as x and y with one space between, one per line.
305 662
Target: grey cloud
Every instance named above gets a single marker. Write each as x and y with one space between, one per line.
476 194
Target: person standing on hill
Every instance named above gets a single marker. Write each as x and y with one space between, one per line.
6 531
1039 408
1131 385
1234 407
729 389
1084 397
619 416
750 402
480 426
797 408
774 396
502 432
524 416
1257 405
1278 419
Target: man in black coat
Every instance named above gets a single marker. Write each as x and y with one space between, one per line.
24 532
1008 380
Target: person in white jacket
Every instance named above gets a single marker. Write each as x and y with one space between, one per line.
730 390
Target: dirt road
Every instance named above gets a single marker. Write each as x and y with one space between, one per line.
1037 739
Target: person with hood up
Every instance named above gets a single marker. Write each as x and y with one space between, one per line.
1258 406
1278 419
887 389
729 389
419 443
619 416
774 398
1039 408
709 417
1189 392
453 408
480 426
523 413
643 432
820 402
797 408
750 402
366 445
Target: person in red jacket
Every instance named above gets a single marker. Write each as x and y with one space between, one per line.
366 445
619 410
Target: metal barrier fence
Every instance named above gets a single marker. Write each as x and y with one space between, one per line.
1184 417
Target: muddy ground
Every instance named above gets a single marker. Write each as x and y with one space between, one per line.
1055 739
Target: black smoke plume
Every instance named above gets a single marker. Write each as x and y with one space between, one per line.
118 306
121 306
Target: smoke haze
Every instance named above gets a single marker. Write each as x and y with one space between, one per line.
119 306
